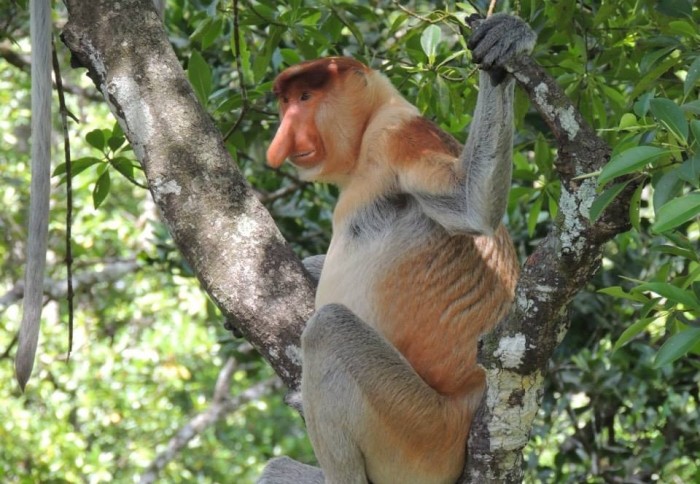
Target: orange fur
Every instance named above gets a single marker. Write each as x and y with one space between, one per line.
441 297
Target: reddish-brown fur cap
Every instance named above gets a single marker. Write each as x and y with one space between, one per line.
314 74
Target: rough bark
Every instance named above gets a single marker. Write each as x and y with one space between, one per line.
224 233
245 265
516 353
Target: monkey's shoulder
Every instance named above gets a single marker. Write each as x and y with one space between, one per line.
418 139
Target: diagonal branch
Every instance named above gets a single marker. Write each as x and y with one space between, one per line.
516 353
222 230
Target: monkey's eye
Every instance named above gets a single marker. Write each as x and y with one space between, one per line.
284 99
305 96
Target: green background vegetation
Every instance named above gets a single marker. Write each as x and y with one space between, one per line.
621 402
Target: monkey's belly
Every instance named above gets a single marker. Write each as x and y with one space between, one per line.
440 298
432 302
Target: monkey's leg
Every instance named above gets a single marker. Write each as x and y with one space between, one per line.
284 470
367 411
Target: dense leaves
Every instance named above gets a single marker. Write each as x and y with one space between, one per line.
622 397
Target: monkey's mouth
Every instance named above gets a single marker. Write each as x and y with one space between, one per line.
302 155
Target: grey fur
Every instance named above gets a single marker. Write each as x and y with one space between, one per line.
487 156
314 265
37 240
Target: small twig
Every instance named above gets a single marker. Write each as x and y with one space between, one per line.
239 70
267 197
58 289
63 110
492 7
221 405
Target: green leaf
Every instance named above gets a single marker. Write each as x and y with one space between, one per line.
124 166
618 292
96 138
534 215
605 198
677 212
676 8
628 120
76 166
679 251
690 170
212 32
635 204
629 161
101 190
673 293
115 142
671 116
683 27
666 187
692 76
695 129
632 331
676 346
429 40
199 74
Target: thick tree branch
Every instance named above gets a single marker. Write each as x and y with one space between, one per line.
220 227
516 353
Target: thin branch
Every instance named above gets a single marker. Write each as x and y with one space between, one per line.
221 405
492 7
24 63
239 70
63 110
58 289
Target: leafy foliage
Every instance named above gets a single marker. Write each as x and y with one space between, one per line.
622 397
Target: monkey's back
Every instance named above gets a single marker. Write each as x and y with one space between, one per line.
440 297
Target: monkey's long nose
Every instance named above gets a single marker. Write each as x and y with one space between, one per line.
282 144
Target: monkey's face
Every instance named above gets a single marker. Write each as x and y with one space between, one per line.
298 138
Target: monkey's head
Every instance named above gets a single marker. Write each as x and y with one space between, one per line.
324 108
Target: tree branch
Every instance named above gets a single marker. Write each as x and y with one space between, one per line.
221 405
222 230
516 353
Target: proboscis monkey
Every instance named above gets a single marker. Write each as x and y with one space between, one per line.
418 268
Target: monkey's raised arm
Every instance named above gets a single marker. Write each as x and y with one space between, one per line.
487 156
478 201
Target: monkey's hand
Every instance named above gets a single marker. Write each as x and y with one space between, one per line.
498 40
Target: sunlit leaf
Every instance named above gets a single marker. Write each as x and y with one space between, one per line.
672 293
429 40
676 346
629 161
677 212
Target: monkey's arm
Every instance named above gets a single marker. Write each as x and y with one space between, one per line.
314 264
477 202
